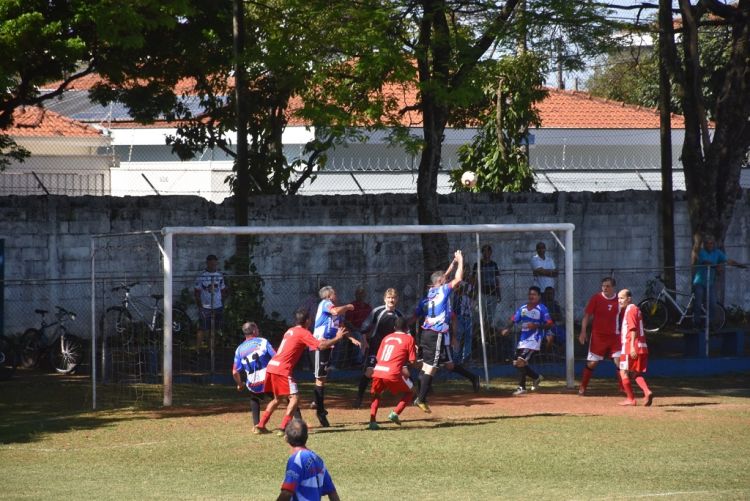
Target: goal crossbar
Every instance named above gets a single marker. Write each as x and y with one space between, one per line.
170 232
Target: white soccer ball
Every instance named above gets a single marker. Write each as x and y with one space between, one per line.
469 179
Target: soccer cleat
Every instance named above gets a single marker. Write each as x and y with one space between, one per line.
323 419
423 406
475 384
535 383
313 405
260 430
648 399
627 403
373 426
519 391
279 433
394 417
581 391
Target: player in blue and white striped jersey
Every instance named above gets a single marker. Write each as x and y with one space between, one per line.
252 357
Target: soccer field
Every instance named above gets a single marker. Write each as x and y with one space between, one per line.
693 443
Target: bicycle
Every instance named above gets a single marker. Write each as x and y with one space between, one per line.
64 350
8 358
117 321
657 313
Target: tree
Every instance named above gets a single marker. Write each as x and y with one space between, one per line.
62 41
498 154
712 162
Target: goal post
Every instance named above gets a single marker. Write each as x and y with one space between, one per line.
169 233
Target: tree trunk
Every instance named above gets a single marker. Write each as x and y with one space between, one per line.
241 165
712 164
434 246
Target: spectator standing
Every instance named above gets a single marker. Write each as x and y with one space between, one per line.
634 357
463 307
557 333
534 320
543 267
210 293
327 325
252 357
490 284
395 351
605 340
708 264
380 322
279 380
306 475
354 320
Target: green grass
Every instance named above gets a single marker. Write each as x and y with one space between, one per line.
695 445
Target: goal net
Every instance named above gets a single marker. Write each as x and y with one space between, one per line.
289 264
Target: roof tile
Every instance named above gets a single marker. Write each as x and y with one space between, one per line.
33 121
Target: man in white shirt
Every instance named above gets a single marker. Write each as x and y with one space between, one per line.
543 268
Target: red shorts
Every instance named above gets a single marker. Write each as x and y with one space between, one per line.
395 386
602 346
639 364
280 385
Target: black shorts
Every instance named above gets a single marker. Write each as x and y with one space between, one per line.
526 354
434 351
206 315
370 362
322 362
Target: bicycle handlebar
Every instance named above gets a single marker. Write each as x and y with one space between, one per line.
124 286
61 312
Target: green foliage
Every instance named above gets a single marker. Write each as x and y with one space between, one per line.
498 152
631 75
246 303
10 151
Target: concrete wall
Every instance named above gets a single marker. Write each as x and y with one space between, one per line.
48 239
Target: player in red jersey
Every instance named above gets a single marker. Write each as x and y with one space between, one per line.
634 357
279 380
396 350
605 341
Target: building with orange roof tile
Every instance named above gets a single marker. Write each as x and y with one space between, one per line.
584 144
67 156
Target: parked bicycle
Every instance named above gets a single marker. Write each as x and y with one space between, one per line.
662 308
122 321
8 358
63 350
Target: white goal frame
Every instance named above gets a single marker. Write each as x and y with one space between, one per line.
170 232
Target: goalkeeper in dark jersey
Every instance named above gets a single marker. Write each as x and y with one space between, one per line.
377 325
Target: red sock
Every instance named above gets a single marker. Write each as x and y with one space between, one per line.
374 407
285 422
586 376
627 387
405 400
264 419
642 383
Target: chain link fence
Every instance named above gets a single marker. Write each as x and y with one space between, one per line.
133 352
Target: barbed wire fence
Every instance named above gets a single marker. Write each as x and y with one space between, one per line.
562 161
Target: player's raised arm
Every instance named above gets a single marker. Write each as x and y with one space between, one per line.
458 259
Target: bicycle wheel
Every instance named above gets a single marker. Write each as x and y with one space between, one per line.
30 348
8 358
655 314
718 318
66 353
117 326
182 327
